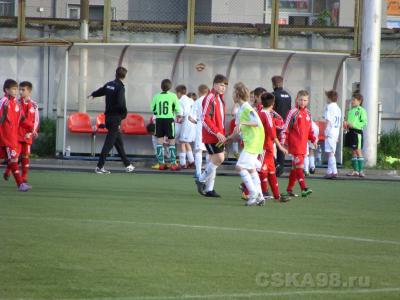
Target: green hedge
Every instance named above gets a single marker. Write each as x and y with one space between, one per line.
45 144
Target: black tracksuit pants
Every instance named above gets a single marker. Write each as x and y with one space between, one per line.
113 138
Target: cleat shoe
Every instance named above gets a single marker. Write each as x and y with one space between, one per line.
282 199
312 170
156 166
174 168
252 201
101 171
260 200
353 173
361 174
306 192
162 167
267 195
330 176
24 187
6 176
289 194
200 187
191 166
129 169
212 193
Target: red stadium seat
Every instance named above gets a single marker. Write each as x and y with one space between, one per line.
133 124
321 126
101 121
81 123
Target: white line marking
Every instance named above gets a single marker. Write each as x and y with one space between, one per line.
302 234
242 295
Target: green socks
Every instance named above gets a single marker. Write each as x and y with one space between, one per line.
160 154
172 154
360 164
354 163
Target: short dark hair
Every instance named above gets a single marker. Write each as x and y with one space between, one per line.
277 81
181 89
267 100
219 78
359 97
120 73
332 95
259 91
26 84
166 85
9 83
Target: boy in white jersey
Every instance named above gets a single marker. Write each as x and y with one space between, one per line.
249 126
195 117
187 129
333 117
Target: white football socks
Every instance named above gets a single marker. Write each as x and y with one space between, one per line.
198 160
248 181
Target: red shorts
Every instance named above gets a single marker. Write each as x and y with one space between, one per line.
298 161
24 149
9 153
267 162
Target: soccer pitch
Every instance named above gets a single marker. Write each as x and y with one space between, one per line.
137 236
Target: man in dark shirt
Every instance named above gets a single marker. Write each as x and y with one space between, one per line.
115 112
283 103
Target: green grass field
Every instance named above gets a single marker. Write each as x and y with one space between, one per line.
136 236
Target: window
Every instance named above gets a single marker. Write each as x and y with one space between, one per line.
6 8
303 6
95 12
74 12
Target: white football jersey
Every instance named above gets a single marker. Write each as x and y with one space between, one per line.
197 109
333 116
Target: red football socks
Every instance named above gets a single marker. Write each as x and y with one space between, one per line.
264 181
292 180
25 168
273 183
15 170
300 178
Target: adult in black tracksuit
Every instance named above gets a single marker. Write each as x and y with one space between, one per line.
283 103
115 112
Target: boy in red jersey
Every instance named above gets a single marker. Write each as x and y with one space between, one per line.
11 116
213 134
28 129
296 133
270 120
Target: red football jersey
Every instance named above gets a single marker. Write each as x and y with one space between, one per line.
269 130
11 116
297 131
31 122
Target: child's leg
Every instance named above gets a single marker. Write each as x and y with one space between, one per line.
354 160
247 180
12 156
7 172
182 154
306 164
264 181
189 154
198 160
332 163
25 152
160 151
298 164
256 181
360 161
172 151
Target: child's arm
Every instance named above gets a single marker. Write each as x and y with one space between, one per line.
278 144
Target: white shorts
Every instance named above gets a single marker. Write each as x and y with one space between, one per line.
188 132
330 144
198 141
248 161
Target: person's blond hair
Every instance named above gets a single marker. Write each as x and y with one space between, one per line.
302 93
241 92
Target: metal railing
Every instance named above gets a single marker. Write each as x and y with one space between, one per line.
274 24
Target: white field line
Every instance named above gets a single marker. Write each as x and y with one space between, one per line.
206 227
243 295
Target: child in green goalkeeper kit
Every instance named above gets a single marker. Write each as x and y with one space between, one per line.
356 121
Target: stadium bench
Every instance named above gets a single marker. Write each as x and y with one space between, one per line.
81 123
133 124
